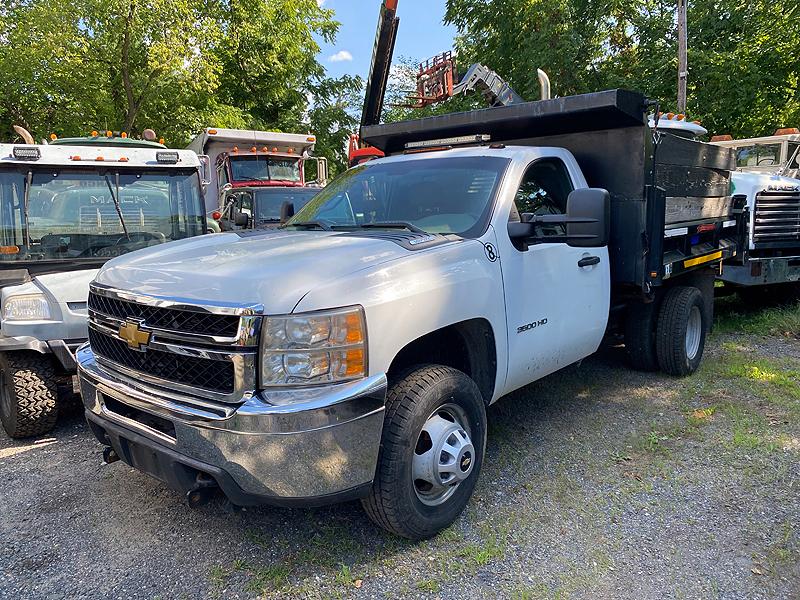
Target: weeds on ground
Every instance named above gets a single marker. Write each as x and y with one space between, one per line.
735 317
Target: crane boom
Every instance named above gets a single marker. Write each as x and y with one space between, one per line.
381 61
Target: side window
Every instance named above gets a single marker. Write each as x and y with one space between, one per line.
543 191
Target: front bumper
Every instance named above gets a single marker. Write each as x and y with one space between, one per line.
62 350
763 271
319 449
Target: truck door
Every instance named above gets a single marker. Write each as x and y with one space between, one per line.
557 297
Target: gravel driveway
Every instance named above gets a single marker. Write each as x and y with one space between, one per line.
599 482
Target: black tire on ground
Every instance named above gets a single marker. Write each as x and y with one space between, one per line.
413 399
682 312
28 394
640 336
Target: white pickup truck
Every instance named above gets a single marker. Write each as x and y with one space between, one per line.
353 353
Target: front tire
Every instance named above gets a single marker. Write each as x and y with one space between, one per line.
681 332
432 447
28 394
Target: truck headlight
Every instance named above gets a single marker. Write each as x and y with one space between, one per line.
28 307
311 348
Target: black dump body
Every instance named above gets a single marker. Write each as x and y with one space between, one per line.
671 205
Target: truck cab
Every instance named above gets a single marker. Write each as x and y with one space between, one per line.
257 207
66 208
239 158
767 188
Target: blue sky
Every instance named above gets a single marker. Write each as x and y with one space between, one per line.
421 34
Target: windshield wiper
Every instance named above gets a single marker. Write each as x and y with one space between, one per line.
115 198
393 225
25 201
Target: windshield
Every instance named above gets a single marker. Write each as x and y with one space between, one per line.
759 155
76 215
270 200
437 195
262 168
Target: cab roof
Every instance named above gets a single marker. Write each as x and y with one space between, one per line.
101 140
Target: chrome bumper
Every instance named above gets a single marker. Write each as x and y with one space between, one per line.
304 445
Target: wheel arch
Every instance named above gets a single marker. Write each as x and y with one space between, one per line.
469 346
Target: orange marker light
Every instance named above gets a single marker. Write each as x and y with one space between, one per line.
94 134
787 131
100 158
123 159
265 149
311 139
670 116
109 134
290 151
236 149
161 141
253 149
123 135
274 149
212 132
355 363
75 157
681 117
9 249
53 136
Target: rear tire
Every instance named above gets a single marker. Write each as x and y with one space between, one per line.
681 331
640 336
424 413
28 394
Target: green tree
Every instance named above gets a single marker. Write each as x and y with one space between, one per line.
70 66
742 55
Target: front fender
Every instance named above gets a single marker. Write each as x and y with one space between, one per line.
421 292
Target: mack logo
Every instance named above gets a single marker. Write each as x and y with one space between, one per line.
534 325
137 338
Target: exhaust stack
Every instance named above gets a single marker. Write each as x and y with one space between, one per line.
544 84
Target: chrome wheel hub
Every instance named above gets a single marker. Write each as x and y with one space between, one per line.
694 331
443 457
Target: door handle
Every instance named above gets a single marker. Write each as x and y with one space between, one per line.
589 261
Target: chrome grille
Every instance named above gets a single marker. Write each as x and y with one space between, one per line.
166 318
212 375
205 351
777 218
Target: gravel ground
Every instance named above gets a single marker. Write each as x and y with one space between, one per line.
599 482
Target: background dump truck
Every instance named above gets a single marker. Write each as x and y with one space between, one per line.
65 209
241 162
768 191
487 250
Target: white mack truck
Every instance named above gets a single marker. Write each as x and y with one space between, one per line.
768 191
65 209
354 352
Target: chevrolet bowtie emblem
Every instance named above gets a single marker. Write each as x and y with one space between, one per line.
137 338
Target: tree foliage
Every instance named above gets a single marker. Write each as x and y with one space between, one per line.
70 66
743 56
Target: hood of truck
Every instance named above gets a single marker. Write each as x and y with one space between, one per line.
750 184
272 268
66 294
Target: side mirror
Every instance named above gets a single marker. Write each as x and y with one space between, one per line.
205 170
588 221
287 211
588 218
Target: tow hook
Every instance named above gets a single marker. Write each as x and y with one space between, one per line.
110 455
204 489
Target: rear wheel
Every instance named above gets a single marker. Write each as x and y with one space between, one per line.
640 336
681 331
28 394
434 437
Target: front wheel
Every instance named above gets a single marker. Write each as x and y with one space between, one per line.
28 394
434 438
